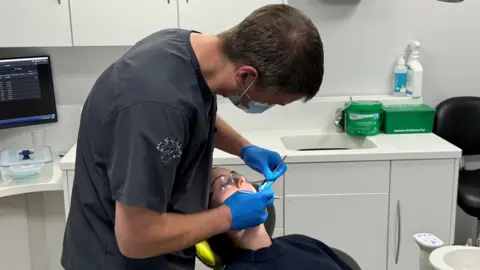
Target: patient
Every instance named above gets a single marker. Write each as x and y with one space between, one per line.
253 248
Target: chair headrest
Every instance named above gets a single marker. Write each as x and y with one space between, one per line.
457 121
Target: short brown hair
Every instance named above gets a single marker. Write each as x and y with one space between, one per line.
283 45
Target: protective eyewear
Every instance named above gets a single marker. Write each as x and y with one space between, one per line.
227 181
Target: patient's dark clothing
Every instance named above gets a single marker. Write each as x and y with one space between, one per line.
289 252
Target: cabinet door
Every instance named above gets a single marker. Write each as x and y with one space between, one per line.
344 204
119 22
355 224
337 178
215 16
422 199
38 23
67 192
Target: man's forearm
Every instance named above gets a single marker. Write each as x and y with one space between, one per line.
228 139
163 233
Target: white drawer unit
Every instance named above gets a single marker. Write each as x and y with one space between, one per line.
344 204
356 224
337 178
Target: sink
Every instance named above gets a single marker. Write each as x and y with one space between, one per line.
326 142
456 258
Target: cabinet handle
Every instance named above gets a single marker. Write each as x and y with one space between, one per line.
168 1
59 2
399 232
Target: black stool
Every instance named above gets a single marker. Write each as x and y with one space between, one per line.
457 121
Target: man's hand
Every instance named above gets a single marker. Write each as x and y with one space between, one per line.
263 161
249 209
142 233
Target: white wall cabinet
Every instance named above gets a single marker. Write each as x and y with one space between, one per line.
215 16
65 23
119 22
346 209
42 23
422 192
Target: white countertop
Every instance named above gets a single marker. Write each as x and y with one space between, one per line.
54 183
389 147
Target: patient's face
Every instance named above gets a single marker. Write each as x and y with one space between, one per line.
224 183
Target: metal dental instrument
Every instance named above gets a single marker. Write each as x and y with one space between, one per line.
265 181
251 192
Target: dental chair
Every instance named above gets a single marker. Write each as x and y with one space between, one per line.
457 121
208 256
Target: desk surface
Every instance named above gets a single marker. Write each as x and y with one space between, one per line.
389 147
52 184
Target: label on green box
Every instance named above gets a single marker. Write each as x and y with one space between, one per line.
408 118
408 108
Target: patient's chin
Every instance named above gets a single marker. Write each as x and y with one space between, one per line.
236 234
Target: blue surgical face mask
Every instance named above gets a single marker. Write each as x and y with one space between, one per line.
252 106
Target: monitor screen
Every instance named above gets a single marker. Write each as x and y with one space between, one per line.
26 92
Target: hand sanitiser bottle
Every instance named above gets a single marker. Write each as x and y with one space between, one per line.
414 71
400 77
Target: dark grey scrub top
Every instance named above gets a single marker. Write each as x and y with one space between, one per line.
146 139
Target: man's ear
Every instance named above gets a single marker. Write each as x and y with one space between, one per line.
246 75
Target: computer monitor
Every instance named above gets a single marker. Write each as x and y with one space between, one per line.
26 92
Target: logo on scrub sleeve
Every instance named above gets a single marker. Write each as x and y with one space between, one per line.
169 149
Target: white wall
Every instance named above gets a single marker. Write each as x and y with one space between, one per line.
362 38
74 69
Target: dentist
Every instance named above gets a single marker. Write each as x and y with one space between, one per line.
148 129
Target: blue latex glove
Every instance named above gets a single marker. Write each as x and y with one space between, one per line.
263 161
249 209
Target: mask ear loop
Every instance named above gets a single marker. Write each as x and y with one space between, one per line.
248 88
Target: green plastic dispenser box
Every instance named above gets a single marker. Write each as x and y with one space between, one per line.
363 118
408 118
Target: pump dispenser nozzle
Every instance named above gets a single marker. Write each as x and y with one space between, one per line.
413 50
415 71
